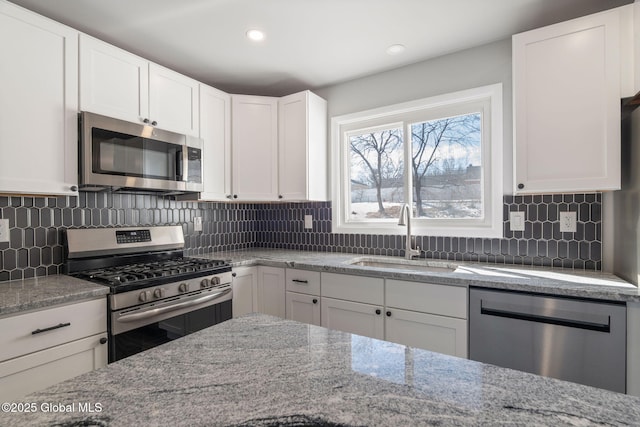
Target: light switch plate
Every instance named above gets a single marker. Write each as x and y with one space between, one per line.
4 230
308 222
516 221
197 223
568 222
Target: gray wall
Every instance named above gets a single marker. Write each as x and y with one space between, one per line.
484 65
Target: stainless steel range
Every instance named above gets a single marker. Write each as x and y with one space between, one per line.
157 294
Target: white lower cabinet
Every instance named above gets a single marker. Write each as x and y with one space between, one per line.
245 290
258 289
303 308
41 348
353 317
271 299
445 335
353 304
303 296
428 316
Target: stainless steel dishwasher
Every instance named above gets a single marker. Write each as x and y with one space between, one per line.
583 341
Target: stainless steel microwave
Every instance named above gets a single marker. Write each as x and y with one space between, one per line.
119 155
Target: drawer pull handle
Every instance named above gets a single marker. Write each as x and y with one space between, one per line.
51 328
300 281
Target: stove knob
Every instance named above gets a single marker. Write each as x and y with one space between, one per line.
183 287
144 296
215 280
204 283
158 293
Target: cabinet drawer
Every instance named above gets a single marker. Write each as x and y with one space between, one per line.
303 281
36 371
368 290
84 319
428 298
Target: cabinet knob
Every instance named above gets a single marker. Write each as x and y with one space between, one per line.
228 196
154 123
103 340
145 120
378 311
388 314
235 196
280 196
315 300
520 186
234 274
74 188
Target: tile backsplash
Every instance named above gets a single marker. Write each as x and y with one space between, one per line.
37 224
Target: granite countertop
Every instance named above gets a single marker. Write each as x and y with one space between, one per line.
40 292
552 281
259 370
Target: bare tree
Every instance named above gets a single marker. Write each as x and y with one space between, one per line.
373 151
427 139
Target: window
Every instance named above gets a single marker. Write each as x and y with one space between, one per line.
441 155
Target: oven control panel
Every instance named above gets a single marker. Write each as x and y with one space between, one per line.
132 236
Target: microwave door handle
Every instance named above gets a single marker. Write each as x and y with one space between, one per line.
180 164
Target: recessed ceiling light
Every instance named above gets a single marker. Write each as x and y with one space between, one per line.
395 49
255 35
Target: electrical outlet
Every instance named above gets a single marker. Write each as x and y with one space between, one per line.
308 222
4 230
516 221
568 222
197 223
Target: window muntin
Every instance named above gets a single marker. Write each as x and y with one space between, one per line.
460 190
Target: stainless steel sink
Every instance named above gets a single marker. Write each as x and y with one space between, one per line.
408 265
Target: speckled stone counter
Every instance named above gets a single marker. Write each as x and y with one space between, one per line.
39 292
263 371
552 281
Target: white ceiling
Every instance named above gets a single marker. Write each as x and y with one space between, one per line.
309 43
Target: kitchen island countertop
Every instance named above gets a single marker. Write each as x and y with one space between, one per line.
259 370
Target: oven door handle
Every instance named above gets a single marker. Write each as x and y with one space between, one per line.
132 317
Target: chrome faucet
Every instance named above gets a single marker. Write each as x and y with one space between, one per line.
405 212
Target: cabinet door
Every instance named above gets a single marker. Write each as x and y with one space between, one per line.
215 131
303 308
445 335
353 317
302 147
37 371
245 290
254 141
113 82
38 104
271 289
566 80
173 100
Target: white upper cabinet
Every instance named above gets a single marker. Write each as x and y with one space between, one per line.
302 147
567 88
113 82
116 83
173 100
279 147
254 128
215 131
38 104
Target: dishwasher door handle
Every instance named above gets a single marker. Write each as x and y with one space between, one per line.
552 320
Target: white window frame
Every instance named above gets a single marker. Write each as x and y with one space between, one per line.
409 112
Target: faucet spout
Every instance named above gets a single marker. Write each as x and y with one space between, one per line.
405 219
